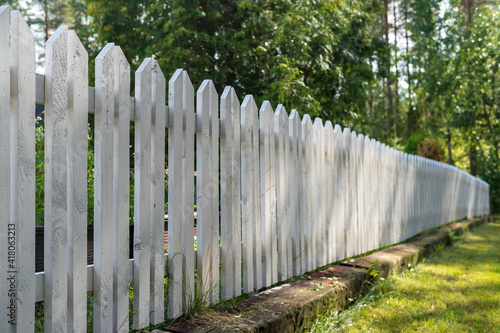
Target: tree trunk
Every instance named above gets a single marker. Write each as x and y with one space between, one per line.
448 143
472 160
47 22
390 111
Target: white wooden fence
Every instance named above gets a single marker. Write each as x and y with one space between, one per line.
276 195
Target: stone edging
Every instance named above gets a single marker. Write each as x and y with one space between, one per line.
293 307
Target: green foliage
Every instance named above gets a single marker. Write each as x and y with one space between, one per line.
413 143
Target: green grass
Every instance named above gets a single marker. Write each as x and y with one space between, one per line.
457 290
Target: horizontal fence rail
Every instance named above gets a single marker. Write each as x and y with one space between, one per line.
276 194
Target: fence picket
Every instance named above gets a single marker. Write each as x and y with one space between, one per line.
318 194
328 192
59 151
230 202
142 194
347 186
77 198
338 197
22 92
103 195
207 199
5 161
157 223
121 191
267 194
188 191
307 201
282 191
295 192
181 188
250 197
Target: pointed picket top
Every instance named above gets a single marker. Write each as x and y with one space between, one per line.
346 138
318 123
248 110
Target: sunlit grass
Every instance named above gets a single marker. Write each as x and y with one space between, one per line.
457 290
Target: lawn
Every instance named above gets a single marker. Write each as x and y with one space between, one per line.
457 290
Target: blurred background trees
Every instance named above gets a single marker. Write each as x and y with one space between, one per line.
419 75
